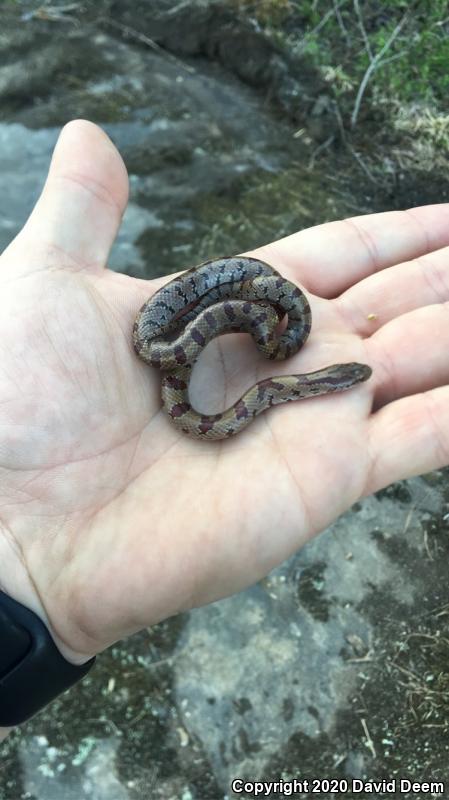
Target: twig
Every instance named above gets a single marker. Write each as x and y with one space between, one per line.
374 64
369 741
362 29
180 7
361 659
395 57
409 517
340 21
140 37
362 164
53 13
350 148
322 21
440 22
322 146
426 546
339 117
407 672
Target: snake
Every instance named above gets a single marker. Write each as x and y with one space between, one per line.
229 295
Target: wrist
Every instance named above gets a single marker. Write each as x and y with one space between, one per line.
16 582
32 670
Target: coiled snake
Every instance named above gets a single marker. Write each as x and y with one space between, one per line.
231 295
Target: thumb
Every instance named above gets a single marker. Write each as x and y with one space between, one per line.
76 218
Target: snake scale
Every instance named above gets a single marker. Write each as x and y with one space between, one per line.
227 295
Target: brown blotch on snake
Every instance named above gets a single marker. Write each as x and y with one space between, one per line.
228 294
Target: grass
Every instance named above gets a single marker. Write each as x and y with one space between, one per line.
383 64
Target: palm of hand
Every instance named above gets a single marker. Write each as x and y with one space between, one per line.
117 519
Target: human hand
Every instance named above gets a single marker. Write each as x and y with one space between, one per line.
111 520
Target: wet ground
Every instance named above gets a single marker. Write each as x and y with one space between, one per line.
336 665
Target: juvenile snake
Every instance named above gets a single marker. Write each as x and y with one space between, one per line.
228 295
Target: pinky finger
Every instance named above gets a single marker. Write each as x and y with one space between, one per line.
409 437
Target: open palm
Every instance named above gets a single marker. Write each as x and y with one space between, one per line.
110 519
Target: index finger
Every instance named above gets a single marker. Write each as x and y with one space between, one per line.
329 258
